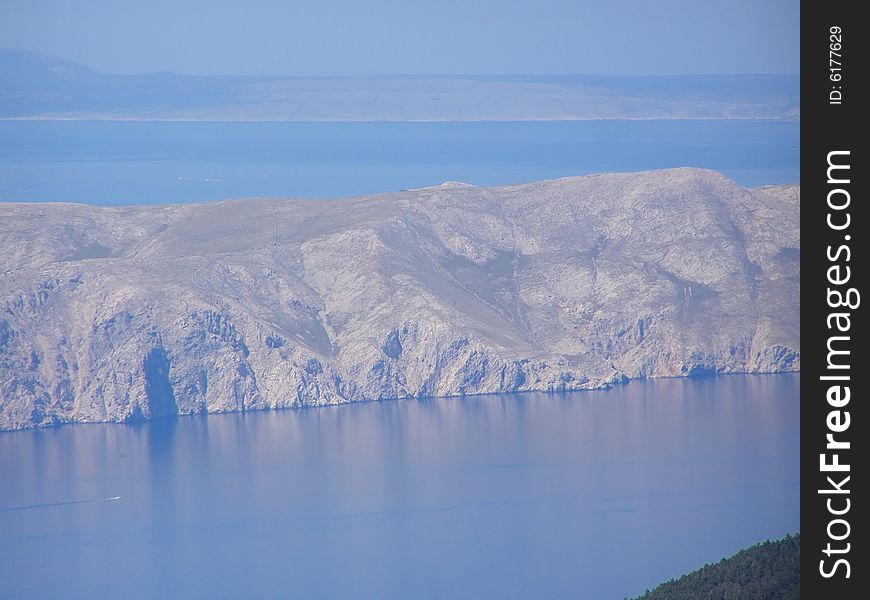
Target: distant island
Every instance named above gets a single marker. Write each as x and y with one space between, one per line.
132 313
767 571
38 87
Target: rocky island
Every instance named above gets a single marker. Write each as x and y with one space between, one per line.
46 88
132 313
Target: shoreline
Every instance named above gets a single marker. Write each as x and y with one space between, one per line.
333 405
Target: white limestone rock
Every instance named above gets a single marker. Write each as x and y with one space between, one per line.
119 314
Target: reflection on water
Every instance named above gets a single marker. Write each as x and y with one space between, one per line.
581 495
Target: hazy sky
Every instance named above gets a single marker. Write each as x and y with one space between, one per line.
350 37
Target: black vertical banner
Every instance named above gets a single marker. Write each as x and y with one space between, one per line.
834 221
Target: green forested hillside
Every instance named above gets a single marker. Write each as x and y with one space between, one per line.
767 571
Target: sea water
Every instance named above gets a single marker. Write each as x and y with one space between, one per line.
596 495
174 162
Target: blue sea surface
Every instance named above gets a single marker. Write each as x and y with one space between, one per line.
106 162
594 495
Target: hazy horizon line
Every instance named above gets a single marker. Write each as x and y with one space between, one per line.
394 75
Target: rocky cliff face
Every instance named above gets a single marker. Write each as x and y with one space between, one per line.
123 314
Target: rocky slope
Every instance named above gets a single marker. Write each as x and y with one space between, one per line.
120 314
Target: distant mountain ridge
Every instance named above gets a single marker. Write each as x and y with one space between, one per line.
130 313
33 86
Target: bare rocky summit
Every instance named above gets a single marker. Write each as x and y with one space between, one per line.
123 314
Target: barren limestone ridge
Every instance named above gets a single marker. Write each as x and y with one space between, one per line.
116 314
